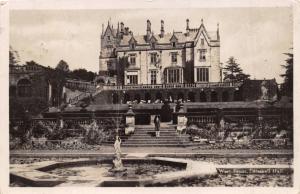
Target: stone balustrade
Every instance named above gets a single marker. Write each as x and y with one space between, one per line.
171 86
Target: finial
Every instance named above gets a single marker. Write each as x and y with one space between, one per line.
201 20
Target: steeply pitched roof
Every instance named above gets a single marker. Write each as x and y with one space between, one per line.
180 36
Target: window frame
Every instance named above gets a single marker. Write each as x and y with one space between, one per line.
202 74
153 58
174 56
131 57
202 55
153 77
132 79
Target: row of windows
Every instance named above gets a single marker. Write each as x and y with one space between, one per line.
153 57
132 45
191 96
172 76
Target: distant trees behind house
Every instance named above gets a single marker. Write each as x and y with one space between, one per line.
287 86
233 72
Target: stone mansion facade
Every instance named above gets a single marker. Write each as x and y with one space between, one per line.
192 56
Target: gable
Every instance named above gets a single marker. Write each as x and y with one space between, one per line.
202 33
173 38
132 40
153 39
108 31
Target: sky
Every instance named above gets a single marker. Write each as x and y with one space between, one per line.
256 37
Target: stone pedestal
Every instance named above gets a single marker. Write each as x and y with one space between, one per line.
181 120
130 121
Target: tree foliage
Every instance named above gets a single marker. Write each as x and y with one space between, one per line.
13 56
233 72
189 71
287 86
123 63
83 74
63 66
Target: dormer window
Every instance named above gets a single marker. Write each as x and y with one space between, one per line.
202 41
132 46
153 45
173 44
108 37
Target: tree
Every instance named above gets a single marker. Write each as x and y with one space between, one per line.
287 86
122 65
13 56
83 74
63 66
189 71
233 72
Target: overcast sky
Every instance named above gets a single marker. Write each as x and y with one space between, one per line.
256 37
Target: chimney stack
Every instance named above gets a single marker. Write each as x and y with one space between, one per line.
148 30
162 28
122 27
218 35
187 26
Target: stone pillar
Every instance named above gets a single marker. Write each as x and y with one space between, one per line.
130 121
181 119
259 116
221 123
60 123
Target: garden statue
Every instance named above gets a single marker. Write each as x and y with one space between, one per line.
117 162
94 125
264 91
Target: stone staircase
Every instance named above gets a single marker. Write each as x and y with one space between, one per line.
144 136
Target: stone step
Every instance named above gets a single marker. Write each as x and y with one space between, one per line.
153 129
158 145
152 126
171 130
157 139
161 137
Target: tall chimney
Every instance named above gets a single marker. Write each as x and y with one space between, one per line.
162 28
148 29
218 35
187 26
122 27
102 30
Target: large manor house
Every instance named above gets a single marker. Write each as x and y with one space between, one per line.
162 58
143 68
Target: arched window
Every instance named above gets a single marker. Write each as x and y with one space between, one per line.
237 96
137 98
24 88
213 96
158 96
170 97
147 97
191 96
115 98
225 96
12 91
202 96
180 96
126 98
